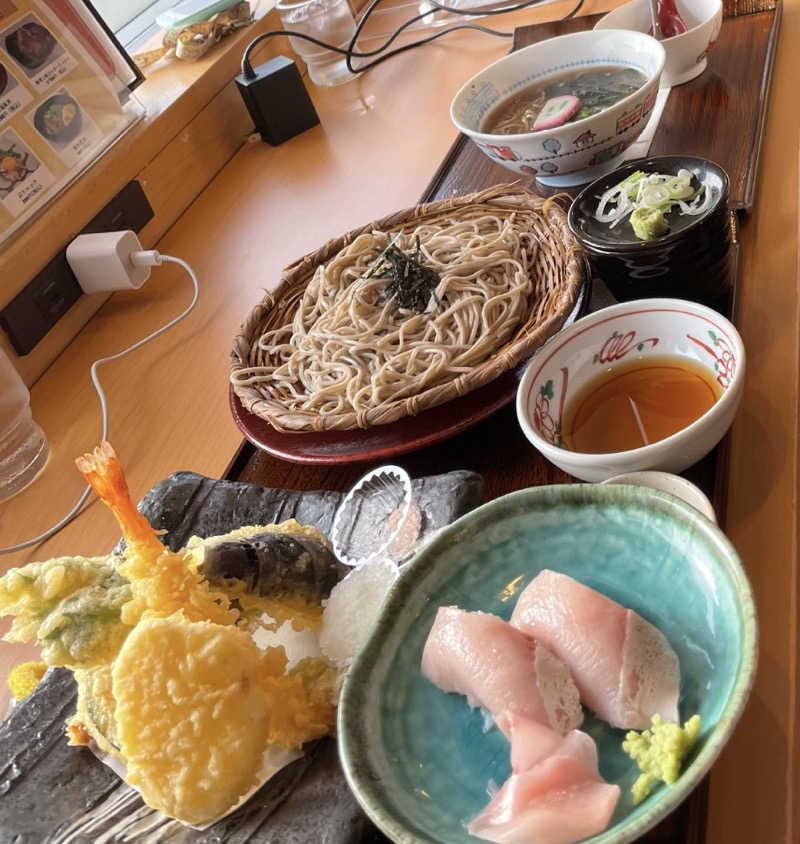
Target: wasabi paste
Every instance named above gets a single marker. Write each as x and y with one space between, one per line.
647 198
660 752
649 223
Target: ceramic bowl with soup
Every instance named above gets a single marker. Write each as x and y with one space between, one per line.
651 384
687 53
564 105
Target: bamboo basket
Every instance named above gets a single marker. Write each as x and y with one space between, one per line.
559 271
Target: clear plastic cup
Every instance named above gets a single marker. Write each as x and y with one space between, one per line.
23 445
328 20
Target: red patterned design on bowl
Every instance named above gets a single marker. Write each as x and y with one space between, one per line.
546 425
618 345
722 354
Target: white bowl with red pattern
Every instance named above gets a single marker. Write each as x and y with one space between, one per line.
597 141
687 53
616 337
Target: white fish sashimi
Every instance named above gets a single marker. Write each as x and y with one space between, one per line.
532 742
650 673
483 657
623 666
558 801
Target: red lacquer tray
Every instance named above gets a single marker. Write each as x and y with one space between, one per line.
328 448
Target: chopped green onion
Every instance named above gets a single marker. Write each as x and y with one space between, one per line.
652 192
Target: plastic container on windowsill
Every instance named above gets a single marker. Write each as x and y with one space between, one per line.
192 11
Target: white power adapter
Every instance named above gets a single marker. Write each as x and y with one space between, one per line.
108 261
104 262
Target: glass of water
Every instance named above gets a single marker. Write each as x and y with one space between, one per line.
23 445
328 20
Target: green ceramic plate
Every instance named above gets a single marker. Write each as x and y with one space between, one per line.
419 761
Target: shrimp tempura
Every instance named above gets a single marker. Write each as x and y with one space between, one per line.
161 581
103 471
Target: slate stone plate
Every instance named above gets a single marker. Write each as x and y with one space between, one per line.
50 792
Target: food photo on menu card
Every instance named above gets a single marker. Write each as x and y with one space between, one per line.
40 56
59 118
58 99
22 176
542 634
13 95
68 129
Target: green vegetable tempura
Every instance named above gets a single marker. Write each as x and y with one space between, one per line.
71 605
659 752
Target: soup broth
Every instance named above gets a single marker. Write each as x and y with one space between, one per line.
636 405
596 88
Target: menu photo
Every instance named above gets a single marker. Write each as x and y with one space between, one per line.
13 96
61 102
37 52
23 178
66 127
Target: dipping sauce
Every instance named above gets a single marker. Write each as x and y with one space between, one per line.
638 404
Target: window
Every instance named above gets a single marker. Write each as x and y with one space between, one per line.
118 13
134 21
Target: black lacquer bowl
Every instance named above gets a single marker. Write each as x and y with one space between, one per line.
692 261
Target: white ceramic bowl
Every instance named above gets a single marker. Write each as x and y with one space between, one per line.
686 53
674 485
614 337
595 140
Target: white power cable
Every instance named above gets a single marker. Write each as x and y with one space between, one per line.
146 258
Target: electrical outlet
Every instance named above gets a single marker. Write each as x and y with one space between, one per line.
39 305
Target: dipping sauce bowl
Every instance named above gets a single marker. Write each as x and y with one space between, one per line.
654 338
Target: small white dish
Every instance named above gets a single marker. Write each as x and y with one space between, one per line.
674 485
571 147
686 54
376 518
615 337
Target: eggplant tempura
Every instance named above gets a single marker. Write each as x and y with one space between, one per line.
170 679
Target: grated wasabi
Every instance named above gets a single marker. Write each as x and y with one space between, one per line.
659 752
649 223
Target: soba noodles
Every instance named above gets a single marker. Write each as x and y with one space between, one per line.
349 348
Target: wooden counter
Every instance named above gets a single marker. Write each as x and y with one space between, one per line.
379 142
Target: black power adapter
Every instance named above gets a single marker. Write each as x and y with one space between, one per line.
277 100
